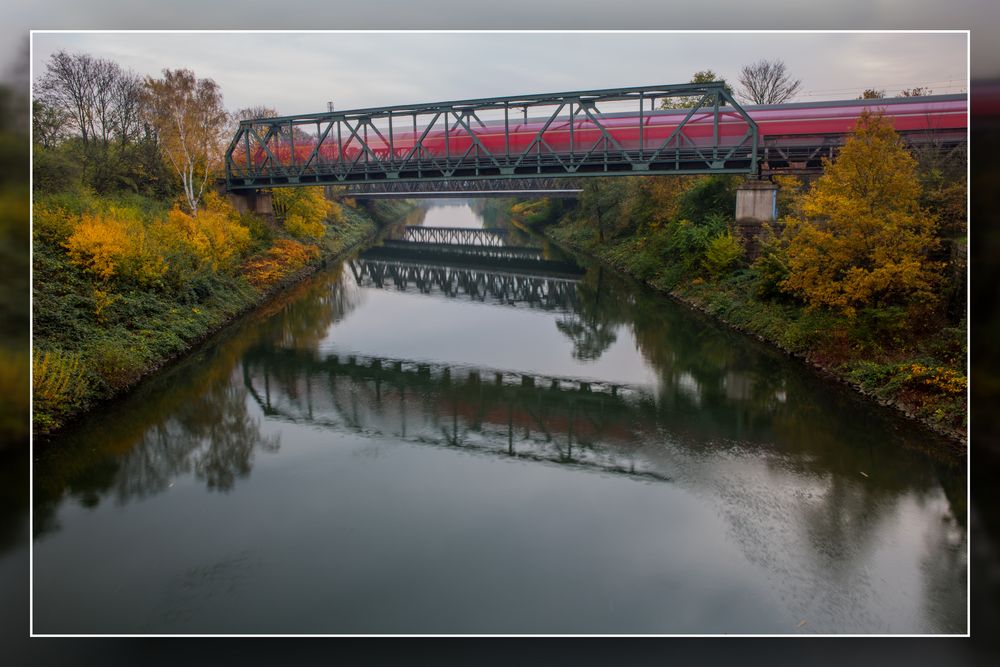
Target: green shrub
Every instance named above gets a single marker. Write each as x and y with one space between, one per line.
116 365
722 254
770 269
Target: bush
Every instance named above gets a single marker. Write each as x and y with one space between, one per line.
117 366
708 196
304 229
55 171
113 244
770 270
284 258
306 208
58 383
722 254
215 237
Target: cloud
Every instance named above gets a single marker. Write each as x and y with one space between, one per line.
299 73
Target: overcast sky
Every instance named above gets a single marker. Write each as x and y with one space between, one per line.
981 16
299 73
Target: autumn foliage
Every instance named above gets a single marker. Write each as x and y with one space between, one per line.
305 211
282 259
862 239
118 244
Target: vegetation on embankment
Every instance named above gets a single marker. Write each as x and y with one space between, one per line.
856 280
135 259
125 283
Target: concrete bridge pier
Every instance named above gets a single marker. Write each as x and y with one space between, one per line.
253 201
756 208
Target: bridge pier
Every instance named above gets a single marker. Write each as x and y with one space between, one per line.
259 202
756 209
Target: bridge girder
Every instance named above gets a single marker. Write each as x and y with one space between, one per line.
572 134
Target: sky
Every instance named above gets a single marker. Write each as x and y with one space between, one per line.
299 72
981 16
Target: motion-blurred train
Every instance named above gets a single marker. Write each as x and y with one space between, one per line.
792 136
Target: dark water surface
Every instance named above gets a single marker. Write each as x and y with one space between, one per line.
439 440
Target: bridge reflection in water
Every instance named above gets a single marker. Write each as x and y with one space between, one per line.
561 420
508 275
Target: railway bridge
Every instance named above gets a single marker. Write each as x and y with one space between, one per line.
549 142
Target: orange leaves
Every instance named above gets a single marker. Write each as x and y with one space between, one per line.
282 259
862 238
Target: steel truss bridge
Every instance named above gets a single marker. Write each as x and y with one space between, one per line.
555 135
455 235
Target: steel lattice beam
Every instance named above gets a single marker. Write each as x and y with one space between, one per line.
573 134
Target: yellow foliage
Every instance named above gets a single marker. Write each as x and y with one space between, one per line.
53 224
940 379
115 243
862 238
215 236
305 208
301 228
283 258
790 191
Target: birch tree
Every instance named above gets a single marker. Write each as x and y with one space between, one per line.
189 121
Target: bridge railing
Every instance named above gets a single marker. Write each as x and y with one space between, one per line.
582 133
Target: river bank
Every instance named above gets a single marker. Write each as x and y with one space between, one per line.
94 342
904 380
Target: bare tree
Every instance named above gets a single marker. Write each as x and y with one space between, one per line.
68 84
767 82
126 118
188 119
97 95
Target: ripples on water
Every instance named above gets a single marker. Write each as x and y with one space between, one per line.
448 440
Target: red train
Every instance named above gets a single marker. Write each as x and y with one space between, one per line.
789 129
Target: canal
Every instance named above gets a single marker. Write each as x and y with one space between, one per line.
493 439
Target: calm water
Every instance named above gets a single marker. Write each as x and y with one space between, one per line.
438 440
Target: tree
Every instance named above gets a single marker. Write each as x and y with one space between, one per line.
872 94
188 118
48 124
767 82
918 91
862 238
98 101
98 97
687 102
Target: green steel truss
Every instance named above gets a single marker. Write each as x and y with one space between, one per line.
405 146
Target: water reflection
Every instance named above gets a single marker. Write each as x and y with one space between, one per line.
840 511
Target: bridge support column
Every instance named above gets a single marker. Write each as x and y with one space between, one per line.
253 201
756 209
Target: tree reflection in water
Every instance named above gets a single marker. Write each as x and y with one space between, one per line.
779 454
